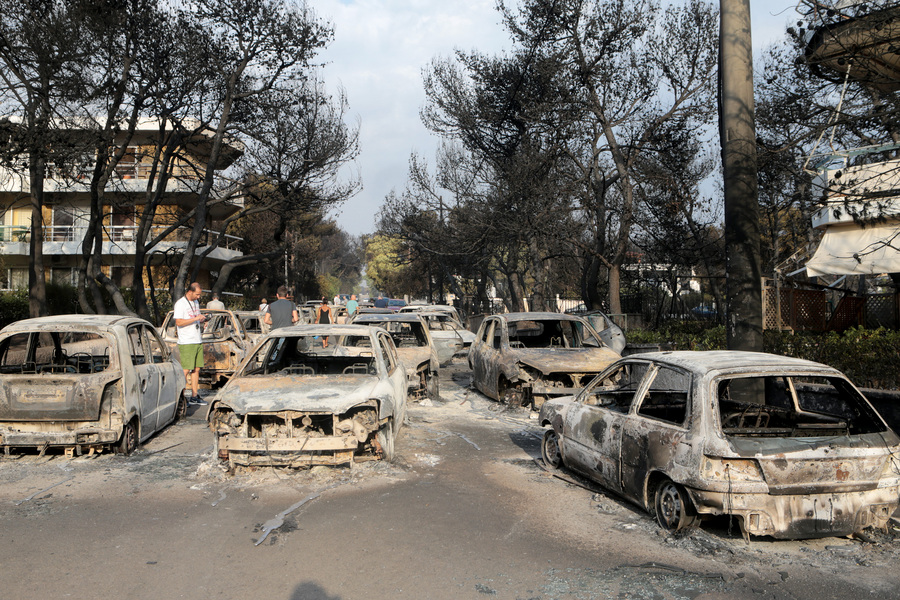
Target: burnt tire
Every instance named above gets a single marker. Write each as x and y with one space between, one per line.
673 508
509 394
180 408
550 451
128 443
385 439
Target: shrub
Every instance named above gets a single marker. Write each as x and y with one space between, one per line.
869 357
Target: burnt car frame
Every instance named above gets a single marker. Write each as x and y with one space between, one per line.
415 347
295 402
85 383
450 338
789 447
225 344
525 358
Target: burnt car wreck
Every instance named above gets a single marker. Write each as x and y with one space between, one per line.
415 348
84 383
523 359
225 344
789 447
296 402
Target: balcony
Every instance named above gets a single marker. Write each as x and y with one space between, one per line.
117 240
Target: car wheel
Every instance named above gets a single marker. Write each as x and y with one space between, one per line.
674 511
128 443
180 408
433 387
550 449
385 439
508 393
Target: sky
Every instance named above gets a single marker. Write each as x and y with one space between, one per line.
379 50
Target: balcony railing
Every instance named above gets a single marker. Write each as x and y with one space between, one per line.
114 233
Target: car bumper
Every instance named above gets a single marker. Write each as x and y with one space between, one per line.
328 450
802 516
81 436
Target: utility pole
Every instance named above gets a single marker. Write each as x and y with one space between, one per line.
737 134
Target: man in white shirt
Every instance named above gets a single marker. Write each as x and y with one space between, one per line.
188 322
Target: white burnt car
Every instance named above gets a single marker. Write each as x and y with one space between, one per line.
415 347
86 383
789 447
525 358
450 338
296 401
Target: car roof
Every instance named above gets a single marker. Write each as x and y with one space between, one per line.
538 316
716 361
99 321
393 317
320 329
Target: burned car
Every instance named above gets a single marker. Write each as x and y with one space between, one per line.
450 338
225 344
85 383
525 358
296 401
253 324
415 348
789 447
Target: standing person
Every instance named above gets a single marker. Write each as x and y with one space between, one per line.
281 313
263 306
352 306
337 299
215 303
381 302
190 338
323 315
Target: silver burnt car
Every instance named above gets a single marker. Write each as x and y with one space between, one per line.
296 401
789 447
525 358
85 383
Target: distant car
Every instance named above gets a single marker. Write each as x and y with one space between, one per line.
295 402
450 338
85 383
525 358
415 348
395 304
253 323
444 308
788 446
225 344
611 334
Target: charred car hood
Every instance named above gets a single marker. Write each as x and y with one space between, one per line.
324 393
566 360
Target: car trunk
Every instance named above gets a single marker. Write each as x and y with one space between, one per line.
58 397
818 464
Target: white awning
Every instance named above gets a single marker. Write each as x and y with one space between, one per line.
851 250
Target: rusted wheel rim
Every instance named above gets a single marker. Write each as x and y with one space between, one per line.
550 449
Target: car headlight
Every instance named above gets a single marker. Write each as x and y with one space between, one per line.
731 469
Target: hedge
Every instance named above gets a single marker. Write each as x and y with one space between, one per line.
869 357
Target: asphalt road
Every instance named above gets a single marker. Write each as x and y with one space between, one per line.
465 511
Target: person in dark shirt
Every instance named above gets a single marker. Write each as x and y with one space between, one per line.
323 315
381 302
281 313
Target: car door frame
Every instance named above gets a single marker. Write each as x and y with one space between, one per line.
480 356
148 383
396 374
171 375
593 433
650 443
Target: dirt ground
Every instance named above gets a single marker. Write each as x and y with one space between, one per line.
465 511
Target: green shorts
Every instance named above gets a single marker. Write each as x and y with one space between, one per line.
191 356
